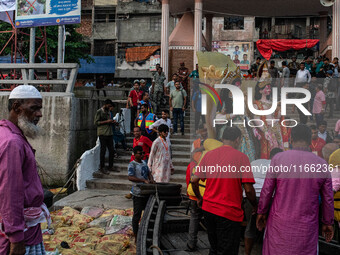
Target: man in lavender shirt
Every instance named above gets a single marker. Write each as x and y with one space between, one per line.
293 218
21 192
319 105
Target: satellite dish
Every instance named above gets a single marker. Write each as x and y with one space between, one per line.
327 3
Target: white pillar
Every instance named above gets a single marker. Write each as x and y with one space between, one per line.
198 29
336 29
165 38
307 27
32 52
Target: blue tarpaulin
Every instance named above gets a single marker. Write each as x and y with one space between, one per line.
7 59
102 64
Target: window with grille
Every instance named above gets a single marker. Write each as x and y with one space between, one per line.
155 24
233 23
103 15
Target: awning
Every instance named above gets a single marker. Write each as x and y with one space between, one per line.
101 65
266 47
140 53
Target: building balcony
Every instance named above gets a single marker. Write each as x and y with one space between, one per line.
290 32
105 3
104 31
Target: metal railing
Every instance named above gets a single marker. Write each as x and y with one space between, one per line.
24 79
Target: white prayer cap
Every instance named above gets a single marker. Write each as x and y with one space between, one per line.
25 92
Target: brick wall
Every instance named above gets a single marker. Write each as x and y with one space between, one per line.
246 34
86 26
178 56
86 4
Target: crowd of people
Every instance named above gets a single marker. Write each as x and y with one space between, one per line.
268 199
263 202
292 206
264 198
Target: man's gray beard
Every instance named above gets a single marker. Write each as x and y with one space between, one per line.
28 128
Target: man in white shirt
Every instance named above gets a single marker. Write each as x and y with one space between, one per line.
323 133
89 84
164 120
171 84
111 84
285 75
302 76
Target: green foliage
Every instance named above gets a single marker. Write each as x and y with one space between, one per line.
75 47
4 37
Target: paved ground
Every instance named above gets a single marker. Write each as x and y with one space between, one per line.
99 198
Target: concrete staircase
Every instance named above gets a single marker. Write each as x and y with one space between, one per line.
181 146
330 121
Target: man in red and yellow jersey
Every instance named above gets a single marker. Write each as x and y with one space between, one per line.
144 121
197 146
223 193
142 141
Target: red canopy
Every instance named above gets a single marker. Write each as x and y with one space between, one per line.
266 47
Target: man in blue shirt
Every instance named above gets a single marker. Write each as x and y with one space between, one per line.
196 104
138 173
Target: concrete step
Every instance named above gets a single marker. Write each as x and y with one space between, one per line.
122 167
176 147
102 198
116 184
175 154
177 178
175 139
186 136
112 184
175 160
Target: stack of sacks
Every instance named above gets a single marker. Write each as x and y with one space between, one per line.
91 231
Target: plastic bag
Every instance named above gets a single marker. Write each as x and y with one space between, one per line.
50 246
67 212
93 212
56 252
81 221
126 231
66 234
131 250
129 212
63 217
94 232
101 222
117 223
110 248
78 250
112 212
84 240
116 238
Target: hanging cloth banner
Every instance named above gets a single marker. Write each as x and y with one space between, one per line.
4 16
7 5
266 47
